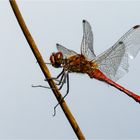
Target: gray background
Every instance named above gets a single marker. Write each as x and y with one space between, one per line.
101 111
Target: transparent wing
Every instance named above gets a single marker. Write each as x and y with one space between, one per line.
114 62
66 52
87 41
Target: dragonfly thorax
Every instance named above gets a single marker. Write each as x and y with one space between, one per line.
78 63
56 59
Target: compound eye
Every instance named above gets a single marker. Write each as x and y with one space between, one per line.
59 56
52 59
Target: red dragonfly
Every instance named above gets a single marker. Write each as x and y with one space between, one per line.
108 67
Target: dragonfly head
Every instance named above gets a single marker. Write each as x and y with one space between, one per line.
56 59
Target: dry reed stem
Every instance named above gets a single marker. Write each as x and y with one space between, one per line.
45 70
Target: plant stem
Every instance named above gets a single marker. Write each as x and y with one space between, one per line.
45 70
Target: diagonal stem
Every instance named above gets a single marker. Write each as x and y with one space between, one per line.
45 70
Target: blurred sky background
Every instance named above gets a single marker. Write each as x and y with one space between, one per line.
101 111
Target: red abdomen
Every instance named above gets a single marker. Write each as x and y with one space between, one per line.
97 74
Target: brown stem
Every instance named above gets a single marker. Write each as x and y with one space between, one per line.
45 70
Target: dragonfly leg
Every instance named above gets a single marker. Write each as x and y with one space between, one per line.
56 78
47 63
61 81
61 75
66 78
42 86
48 87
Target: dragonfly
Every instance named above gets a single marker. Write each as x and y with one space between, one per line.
107 67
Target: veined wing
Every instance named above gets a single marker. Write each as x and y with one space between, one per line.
114 62
87 41
66 52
